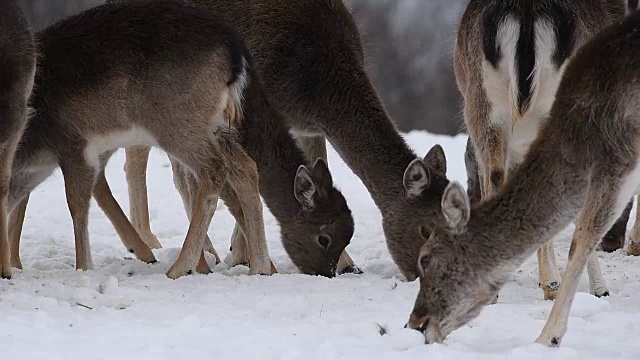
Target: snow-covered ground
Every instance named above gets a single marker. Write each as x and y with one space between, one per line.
126 309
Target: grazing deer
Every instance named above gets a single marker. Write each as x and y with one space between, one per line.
17 69
508 60
161 74
310 57
584 163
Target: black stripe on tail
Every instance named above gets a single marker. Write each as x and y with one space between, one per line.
526 58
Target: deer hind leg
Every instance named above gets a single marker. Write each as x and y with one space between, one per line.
185 183
7 150
127 233
597 284
634 241
79 178
601 209
16 221
209 178
241 253
243 179
549 276
135 168
316 147
473 175
614 239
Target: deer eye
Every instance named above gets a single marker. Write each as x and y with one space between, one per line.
324 241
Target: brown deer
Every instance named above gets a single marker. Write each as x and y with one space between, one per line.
585 163
17 69
310 57
170 75
508 60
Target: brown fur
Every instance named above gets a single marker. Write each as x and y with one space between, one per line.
504 104
310 57
103 84
584 163
17 68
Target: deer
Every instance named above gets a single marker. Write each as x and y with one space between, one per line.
508 61
311 60
584 166
17 72
109 80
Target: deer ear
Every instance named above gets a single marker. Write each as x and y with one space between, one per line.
455 206
416 178
436 160
304 188
321 174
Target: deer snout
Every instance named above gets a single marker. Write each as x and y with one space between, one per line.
427 327
417 322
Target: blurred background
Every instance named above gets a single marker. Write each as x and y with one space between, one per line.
408 45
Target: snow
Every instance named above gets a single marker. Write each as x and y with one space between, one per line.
126 309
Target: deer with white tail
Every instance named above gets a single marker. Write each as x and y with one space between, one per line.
584 164
508 61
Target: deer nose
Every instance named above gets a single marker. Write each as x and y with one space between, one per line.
417 322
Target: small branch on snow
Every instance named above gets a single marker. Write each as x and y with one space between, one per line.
84 306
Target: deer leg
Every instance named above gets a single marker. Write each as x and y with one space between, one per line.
209 180
241 252
78 182
243 179
549 276
601 209
597 284
316 147
127 233
634 242
614 239
185 183
135 168
473 175
16 221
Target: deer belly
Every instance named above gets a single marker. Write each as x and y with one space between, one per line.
100 144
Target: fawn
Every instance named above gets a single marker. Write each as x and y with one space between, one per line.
508 60
17 71
164 74
311 60
585 163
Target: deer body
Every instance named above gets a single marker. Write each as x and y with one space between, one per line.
108 79
508 60
17 69
585 163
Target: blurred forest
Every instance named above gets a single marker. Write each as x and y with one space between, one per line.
408 45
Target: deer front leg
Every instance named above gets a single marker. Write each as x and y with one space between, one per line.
135 168
598 214
634 242
597 285
16 222
473 175
184 182
5 251
240 252
127 233
78 182
243 179
316 147
549 279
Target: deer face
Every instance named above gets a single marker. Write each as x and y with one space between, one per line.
454 284
409 220
322 228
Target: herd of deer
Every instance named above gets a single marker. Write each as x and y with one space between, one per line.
241 95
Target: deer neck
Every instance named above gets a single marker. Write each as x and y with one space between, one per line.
542 196
268 142
369 143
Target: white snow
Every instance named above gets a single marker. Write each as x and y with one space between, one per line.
126 309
